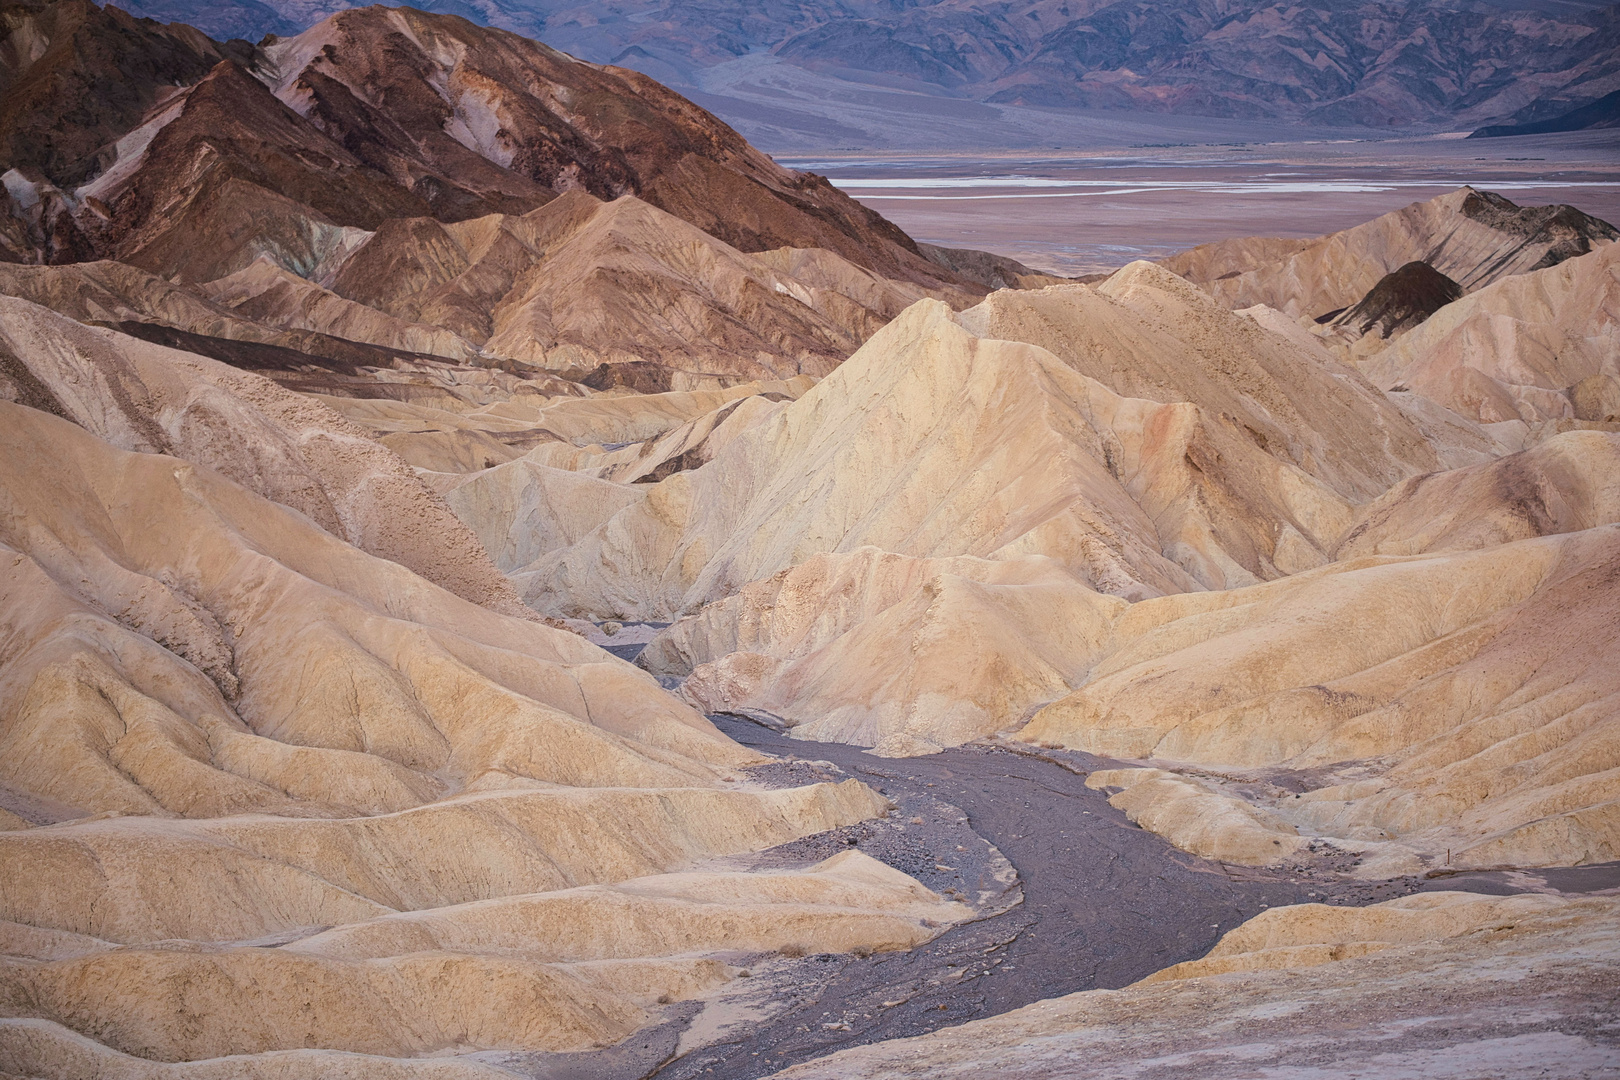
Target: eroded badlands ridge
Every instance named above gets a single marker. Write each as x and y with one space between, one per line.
352 382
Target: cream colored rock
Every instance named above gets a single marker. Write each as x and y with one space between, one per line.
569 431
525 509
1147 333
276 736
463 451
927 442
1197 819
183 1004
908 648
907 655
1516 349
272 296
1303 935
676 449
1459 701
31 1047
1512 998
338 664
522 510
148 398
1460 441
1473 237
933 441
1568 483
846 902
689 446
248 877
604 419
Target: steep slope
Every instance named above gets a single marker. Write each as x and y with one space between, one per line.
381 129
1010 470
276 735
980 445
383 113
930 464
1472 237
1145 333
1371 65
561 124
1363 63
223 173
283 446
1460 701
1402 299
270 295
907 655
1564 484
621 291
902 654
74 77
1528 348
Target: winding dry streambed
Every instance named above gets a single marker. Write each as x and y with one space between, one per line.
1104 902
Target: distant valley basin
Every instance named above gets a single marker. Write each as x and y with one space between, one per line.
1092 211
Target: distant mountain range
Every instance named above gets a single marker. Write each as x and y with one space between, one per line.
1430 63
1602 113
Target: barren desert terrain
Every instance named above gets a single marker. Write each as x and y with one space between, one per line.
1150 194
502 578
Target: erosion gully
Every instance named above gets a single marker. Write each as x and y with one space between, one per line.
1104 903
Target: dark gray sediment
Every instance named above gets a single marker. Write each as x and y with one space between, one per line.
1104 903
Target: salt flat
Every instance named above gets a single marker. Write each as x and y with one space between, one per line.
1092 210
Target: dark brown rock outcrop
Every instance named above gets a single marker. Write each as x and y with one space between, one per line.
1401 300
74 77
195 157
381 81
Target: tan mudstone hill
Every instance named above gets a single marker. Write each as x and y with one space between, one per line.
579 285
947 435
1563 484
903 654
221 725
401 323
279 444
1530 349
1472 237
1460 701
1448 985
1355 672
272 296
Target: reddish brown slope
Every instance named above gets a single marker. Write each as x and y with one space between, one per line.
412 93
230 171
382 113
74 77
